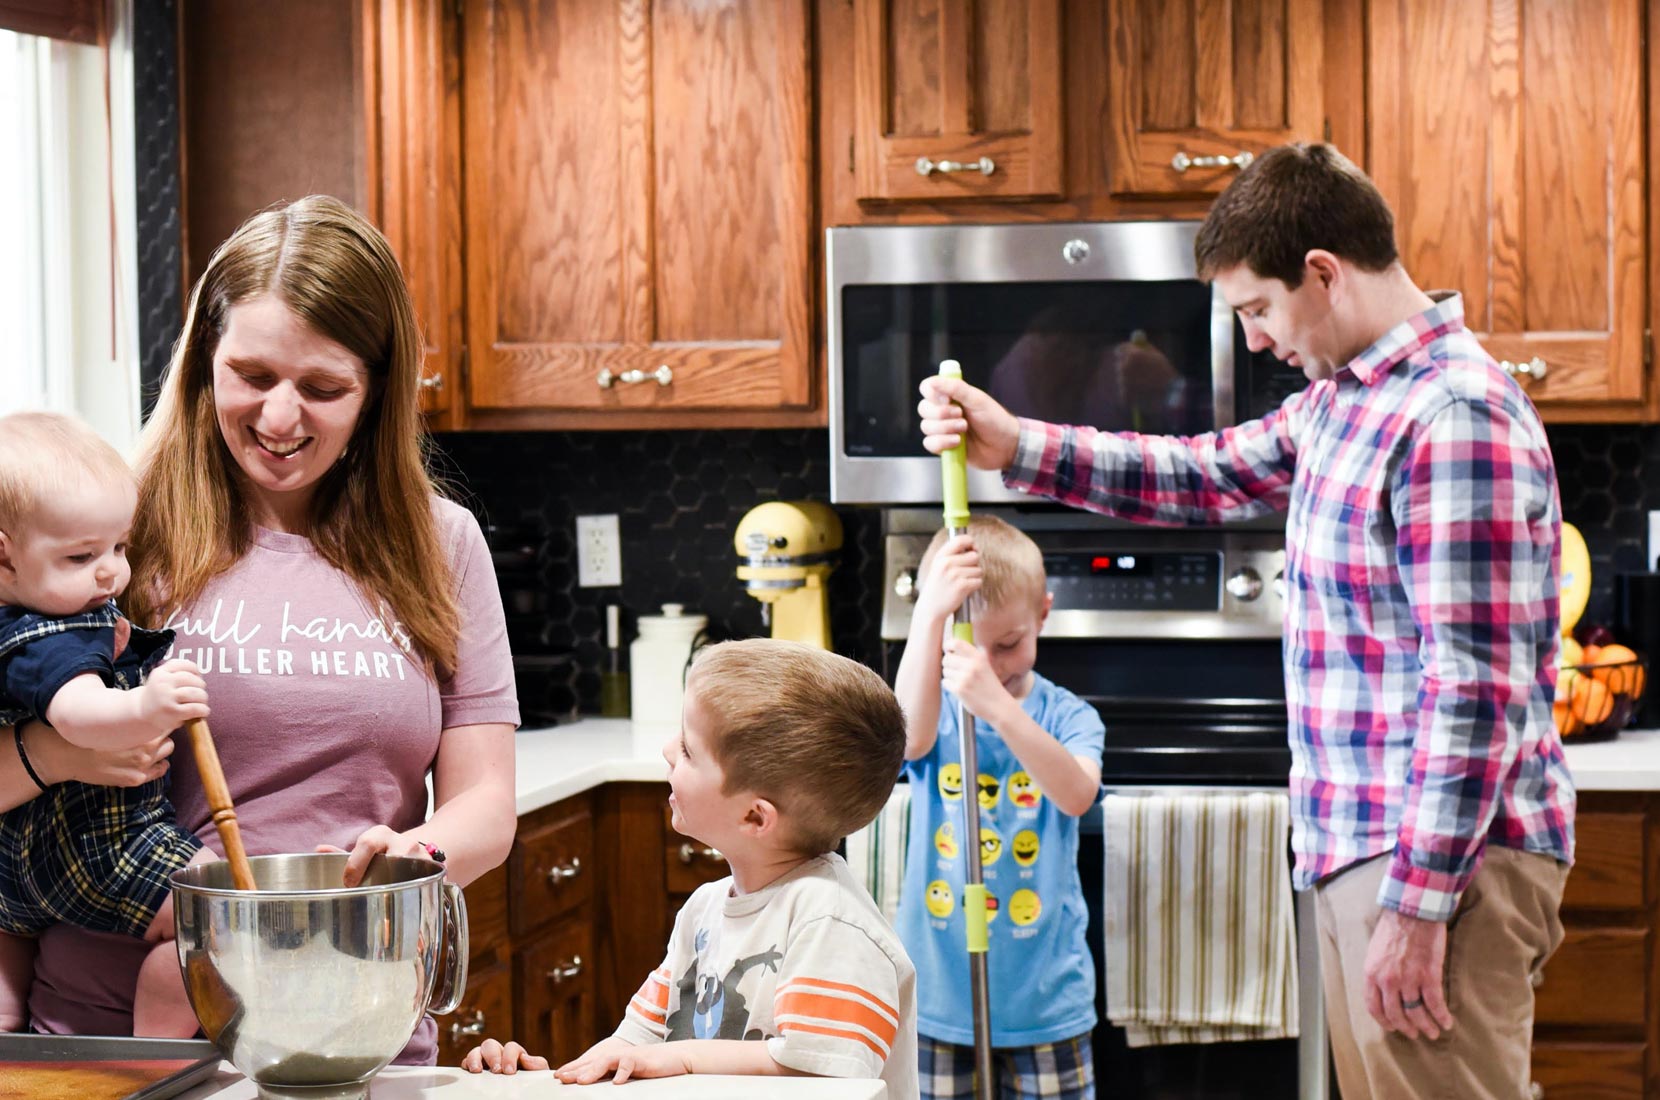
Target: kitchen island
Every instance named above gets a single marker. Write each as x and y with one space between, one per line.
416 1083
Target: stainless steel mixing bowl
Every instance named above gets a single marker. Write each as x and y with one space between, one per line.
311 989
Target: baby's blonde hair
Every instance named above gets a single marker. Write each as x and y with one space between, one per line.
1011 565
46 454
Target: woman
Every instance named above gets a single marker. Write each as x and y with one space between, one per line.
345 616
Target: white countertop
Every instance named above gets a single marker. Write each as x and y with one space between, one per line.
1630 762
561 761
421 1083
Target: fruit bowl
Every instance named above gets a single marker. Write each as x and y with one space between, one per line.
1596 695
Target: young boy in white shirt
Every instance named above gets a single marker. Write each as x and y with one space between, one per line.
784 750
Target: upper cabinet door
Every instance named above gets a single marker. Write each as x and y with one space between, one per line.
415 178
957 99
638 211
1200 86
1508 136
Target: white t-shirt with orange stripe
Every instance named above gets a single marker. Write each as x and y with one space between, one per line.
807 965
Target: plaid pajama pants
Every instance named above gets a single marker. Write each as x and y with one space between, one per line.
1065 1069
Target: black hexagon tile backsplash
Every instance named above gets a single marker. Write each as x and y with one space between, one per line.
678 497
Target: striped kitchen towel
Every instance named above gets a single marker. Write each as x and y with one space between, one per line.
876 853
1199 927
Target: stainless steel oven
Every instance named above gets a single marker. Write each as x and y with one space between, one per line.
1174 637
1098 323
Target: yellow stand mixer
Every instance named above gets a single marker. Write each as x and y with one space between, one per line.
788 548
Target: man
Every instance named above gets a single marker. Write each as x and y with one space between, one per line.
1431 804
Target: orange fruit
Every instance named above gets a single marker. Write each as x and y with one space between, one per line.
1590 701
1618 668
1565 722
1588 655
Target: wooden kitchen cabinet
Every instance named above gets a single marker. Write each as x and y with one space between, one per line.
376 85
1139 80
1201 86
1596 1024
1509 138
957 100
638 213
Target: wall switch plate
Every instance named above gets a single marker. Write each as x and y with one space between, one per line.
598 552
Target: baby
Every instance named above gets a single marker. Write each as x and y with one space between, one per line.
97 857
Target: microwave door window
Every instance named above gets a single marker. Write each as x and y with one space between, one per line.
1119 356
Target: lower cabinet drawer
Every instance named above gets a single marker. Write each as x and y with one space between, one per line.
485 1012
1595 979
1588 1071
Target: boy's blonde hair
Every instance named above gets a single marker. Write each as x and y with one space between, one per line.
1011 565
46 454
820 736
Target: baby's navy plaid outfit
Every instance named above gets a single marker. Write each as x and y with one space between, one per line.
96 857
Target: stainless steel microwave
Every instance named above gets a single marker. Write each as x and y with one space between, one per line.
1098 323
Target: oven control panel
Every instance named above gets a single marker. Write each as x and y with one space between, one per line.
1129 583
1109 579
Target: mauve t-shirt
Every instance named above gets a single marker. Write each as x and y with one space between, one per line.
324 724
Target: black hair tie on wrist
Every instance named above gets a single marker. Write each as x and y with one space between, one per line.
17 735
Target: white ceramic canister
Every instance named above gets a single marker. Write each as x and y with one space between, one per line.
657 670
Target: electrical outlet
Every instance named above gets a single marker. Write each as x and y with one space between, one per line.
598 552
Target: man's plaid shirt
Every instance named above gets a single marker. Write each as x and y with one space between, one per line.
1421 576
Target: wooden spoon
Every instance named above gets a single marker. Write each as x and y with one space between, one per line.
219 801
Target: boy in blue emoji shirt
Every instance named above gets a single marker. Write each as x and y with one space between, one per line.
1040 770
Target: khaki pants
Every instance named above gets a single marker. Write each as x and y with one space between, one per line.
1505 928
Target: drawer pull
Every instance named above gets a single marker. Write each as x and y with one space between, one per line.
1537 978
559 975
1535 1091
1533 368
689 852
433 382
926 166
472 1029
1181 162
565 871
662 376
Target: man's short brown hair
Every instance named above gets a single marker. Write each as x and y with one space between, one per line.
819 736
1011 565
1290 200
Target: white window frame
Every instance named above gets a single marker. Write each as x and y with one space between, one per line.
68 217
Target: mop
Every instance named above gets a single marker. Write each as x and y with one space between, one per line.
954 478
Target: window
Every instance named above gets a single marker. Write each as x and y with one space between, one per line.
67 279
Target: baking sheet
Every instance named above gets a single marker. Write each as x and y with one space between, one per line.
95 1067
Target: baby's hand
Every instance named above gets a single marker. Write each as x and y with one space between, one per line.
174 693
953 575
491 1055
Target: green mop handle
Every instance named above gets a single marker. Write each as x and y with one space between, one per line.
954 485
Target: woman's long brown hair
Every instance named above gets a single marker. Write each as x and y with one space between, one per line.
372 514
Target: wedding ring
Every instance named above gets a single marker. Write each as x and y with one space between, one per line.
1416 1002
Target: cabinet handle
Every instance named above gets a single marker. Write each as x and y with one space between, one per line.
559 975
1533 368
662 374
433 382
926 167
1181 162
1535 1091
474 1027
1536 979
689 852
563 871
